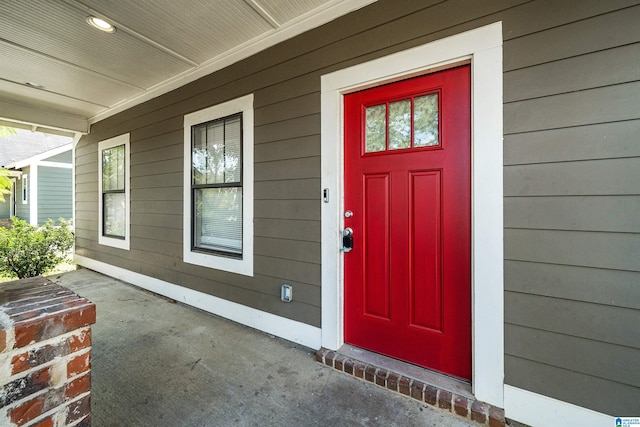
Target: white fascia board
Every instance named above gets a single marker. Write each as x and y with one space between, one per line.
32 116
37 158
328 12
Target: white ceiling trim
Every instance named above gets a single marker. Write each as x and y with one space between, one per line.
326 13
265 15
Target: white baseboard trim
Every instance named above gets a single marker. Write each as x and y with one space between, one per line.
538 410
291 330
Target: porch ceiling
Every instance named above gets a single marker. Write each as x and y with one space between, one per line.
60 73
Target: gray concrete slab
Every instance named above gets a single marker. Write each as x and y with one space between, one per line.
161 363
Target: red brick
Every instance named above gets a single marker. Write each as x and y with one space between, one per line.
79 364
430 395
348 366
79 409
461 405
496 417
392 381
39 356
320 354
417 390
27 411
329 358
381 377
78 386
24 387
47 422
403 386
358 370
479 412
33 330
370 373
444 399
338 362
80 340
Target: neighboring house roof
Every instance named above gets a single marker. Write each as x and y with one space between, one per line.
27 146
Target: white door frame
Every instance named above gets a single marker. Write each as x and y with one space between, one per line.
482 48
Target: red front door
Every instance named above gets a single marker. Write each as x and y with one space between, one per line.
408 202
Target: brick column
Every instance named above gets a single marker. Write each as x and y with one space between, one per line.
45 355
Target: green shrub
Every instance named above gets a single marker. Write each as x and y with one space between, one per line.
28 251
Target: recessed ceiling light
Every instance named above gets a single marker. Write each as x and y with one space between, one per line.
101 24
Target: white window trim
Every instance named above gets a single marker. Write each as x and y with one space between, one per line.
103 145
24 195
243 266
483 48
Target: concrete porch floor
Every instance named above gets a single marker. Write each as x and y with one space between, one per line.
161 363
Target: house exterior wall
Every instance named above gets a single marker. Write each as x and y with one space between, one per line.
54 193
571 168
5 207
23 210
66 157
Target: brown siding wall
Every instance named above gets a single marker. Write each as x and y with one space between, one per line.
572 167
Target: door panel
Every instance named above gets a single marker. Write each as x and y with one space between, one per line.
407 182
425 250
376 256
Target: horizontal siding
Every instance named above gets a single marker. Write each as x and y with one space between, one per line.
589 34
578 108
595 358
604 323
576 213
597 394
572 164
591 142
585 178
54 194
596 69
66 157
616 288
614 251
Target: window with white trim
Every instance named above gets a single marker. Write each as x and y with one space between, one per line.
113 184
218 186
25 189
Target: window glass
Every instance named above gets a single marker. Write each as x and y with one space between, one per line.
113 189
404 124
376 124
217 185
113 192
426 120
400 124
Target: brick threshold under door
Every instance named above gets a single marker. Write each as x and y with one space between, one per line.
425 386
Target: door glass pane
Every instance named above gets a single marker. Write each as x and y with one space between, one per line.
218 219
114 215
425 118
376 124
400 124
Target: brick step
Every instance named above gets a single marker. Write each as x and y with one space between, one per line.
431 394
